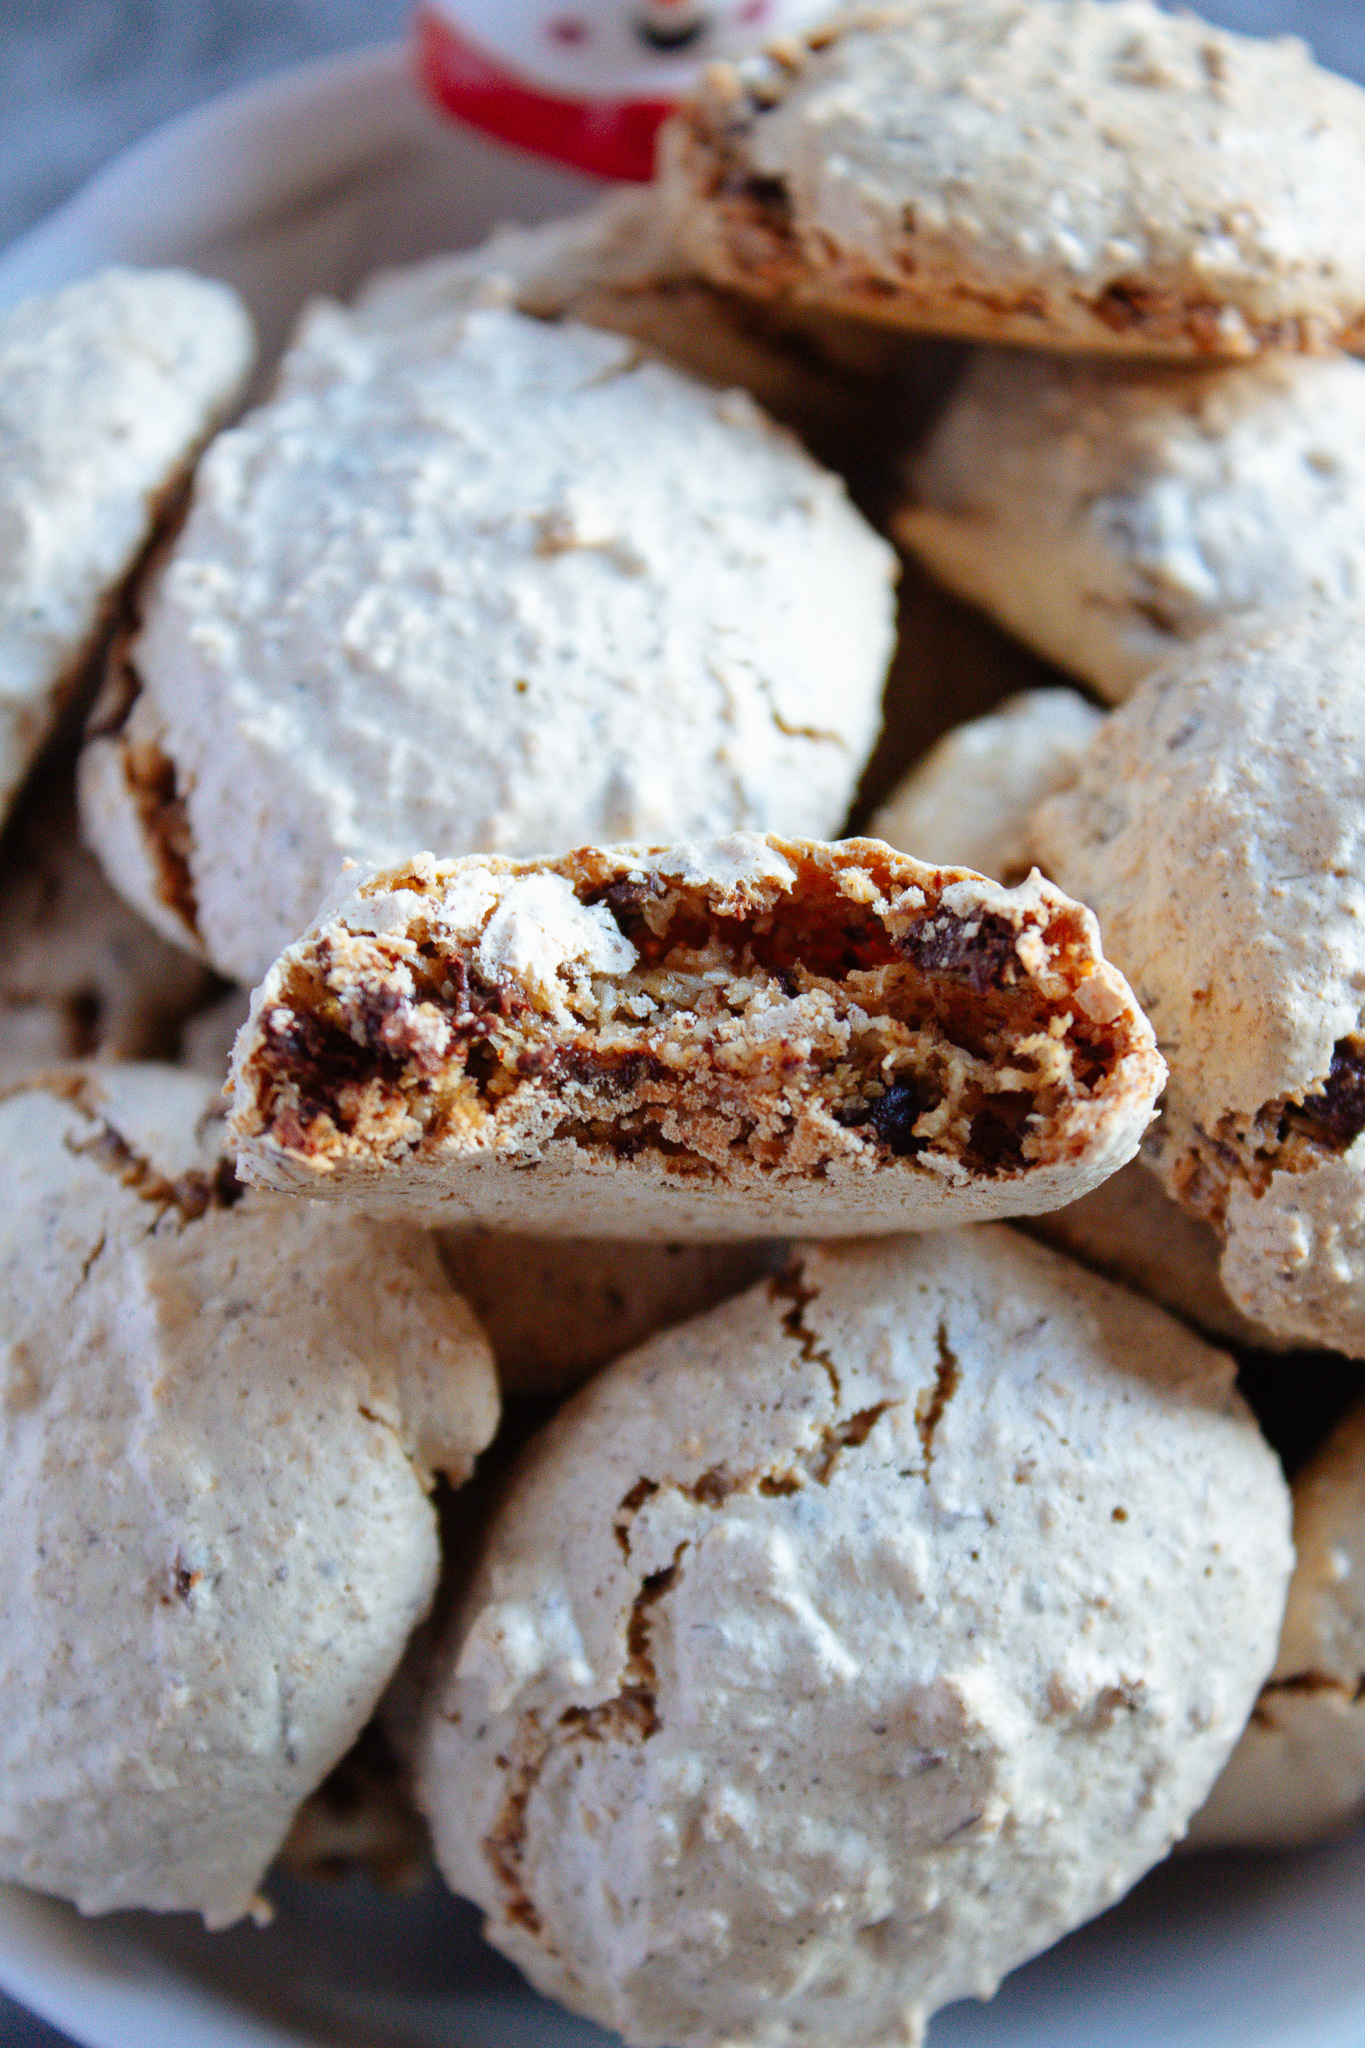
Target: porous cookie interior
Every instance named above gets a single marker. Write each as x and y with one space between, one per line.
1284 1136
780 1038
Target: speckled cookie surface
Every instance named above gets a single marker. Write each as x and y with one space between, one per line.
220 1416
1216 830
839 1649
1067 174
482 582
107 388
736 1037
80 973
970 799
1298 1774
1110 513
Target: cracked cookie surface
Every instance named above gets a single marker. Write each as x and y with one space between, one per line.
1217 829
812 1676
1298 1773
1069 174
448 557
755 1034
219 1420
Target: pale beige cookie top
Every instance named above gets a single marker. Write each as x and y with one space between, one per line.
1091 174
619 265
1108 513
1218 831
837 1650
1130 1230
724 1038
488 583
80 973
219 1416
1298 1773
970 799
555 1309
107 389
622 242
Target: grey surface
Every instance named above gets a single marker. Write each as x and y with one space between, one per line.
18 2029
79 79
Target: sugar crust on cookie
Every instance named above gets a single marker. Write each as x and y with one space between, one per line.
815 1674
1090 174
752 1035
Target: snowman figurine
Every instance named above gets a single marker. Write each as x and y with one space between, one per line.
586 81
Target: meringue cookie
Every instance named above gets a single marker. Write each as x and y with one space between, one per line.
1217 830
1109 513
489 583
1298 1773
108 388
1087 174
837 1650
220 1418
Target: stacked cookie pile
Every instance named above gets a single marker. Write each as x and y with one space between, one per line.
475 719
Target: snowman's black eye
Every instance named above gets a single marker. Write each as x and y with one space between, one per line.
669 35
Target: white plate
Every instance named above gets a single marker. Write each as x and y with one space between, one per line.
303 185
